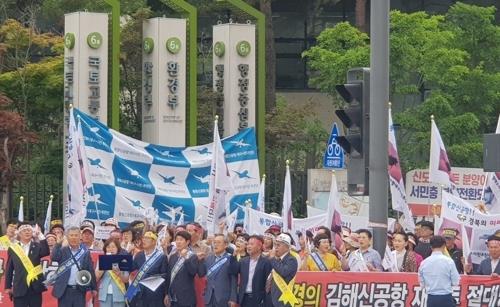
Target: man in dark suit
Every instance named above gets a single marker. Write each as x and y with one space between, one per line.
285 266
220 290
66 289
145 297
490 265
182 268
253 272
25 293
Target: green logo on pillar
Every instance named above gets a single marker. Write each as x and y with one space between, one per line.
243 48
94 40
219 49
148 45
173 45
69 40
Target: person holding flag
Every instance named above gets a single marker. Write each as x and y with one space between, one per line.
150 262
24 275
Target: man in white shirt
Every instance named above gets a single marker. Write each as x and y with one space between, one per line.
438 274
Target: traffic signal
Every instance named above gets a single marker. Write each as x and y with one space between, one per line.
356 118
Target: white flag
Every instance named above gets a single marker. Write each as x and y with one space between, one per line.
398 194
231 220
20 214
48 216
439 164
465 243
286 211
390 262
219 185
180 222
261 200
491 191
334 220
77 179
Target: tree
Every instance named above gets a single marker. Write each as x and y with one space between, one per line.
14 136
442 65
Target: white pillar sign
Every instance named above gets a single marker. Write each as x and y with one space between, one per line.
85 70
234 75
86 63
164 81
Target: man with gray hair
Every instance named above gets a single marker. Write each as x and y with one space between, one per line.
72 257
221 282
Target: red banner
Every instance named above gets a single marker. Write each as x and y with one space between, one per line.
342 289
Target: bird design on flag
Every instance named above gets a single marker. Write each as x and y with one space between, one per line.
240 143
135 203
96 162
167 179
243 174
203 151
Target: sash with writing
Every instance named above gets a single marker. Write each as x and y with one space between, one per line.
66 265
287 296
215 268
319 262
358 262
179 264
134 286
118 281
32 271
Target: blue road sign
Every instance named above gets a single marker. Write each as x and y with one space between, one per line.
334 154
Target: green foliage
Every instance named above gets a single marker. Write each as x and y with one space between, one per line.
338 49
453 59
292 133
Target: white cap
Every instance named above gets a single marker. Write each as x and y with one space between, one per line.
284 238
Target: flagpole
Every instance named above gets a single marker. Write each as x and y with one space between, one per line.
429 208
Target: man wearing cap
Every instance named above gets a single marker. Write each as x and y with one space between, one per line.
438 274
112 222
490 265
147 263
88 227
285 268
456 253
72 257
423 247
24 275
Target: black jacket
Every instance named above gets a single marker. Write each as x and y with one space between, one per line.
15 277
262 271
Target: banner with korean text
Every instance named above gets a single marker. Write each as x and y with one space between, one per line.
421 194
341 289
456 212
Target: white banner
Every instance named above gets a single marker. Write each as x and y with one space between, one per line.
259 222
456 212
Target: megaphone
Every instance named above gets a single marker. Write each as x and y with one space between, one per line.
83 278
